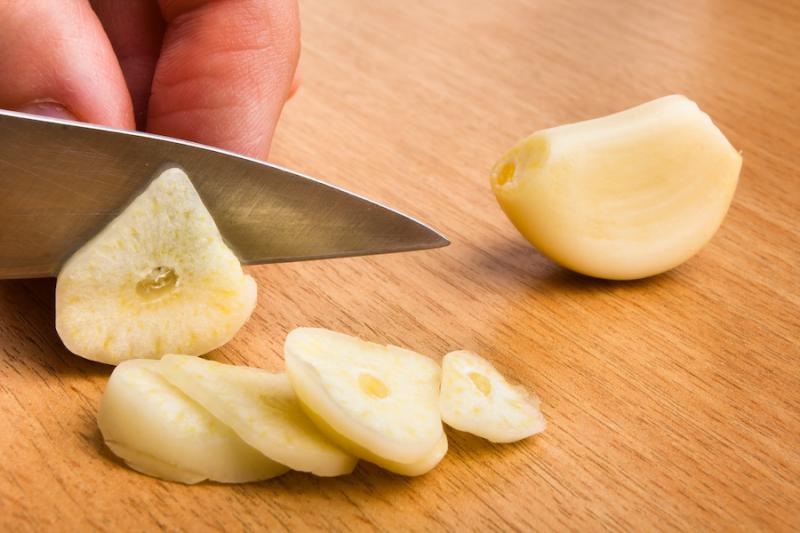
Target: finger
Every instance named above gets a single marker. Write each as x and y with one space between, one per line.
56 59
225 71
135 29
297 80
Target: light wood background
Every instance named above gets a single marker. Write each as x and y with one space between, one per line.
673 403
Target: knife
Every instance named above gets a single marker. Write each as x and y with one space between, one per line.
61 182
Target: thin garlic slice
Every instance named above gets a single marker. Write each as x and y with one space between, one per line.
158 279
477 399
159 431
378 402
262 409
421 466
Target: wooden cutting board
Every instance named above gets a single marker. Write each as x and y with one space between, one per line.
673 402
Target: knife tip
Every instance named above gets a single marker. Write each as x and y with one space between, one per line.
440 241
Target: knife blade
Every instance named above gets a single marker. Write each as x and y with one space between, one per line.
63 181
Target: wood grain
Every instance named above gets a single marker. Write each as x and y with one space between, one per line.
673 402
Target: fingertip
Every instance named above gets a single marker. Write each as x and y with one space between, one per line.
297 80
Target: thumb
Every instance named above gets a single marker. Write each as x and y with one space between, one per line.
225 71
57 61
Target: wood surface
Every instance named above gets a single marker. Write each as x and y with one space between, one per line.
673 403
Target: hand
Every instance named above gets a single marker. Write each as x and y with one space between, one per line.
212 71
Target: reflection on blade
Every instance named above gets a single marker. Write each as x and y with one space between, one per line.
61 182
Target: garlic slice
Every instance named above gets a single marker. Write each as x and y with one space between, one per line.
159 431
378 402
477 399
262 409
158 279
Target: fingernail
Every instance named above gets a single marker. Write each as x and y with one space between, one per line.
46 108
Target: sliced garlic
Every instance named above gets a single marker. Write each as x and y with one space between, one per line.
158 279
477 399
262 409
422 466
624 196
378 402
154 467
159 431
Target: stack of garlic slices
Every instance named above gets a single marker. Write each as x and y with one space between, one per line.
188 419
159 280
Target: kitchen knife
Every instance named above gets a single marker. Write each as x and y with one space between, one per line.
62 181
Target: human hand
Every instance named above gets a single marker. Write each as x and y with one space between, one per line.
212 71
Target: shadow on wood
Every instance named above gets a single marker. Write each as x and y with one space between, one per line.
517 262
28 331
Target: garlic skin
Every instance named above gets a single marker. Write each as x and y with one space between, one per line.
625 196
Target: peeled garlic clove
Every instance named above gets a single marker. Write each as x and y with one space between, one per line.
477 399
375 401
158 279
262 409
159 431
624 196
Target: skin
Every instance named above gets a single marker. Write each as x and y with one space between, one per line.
216 72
